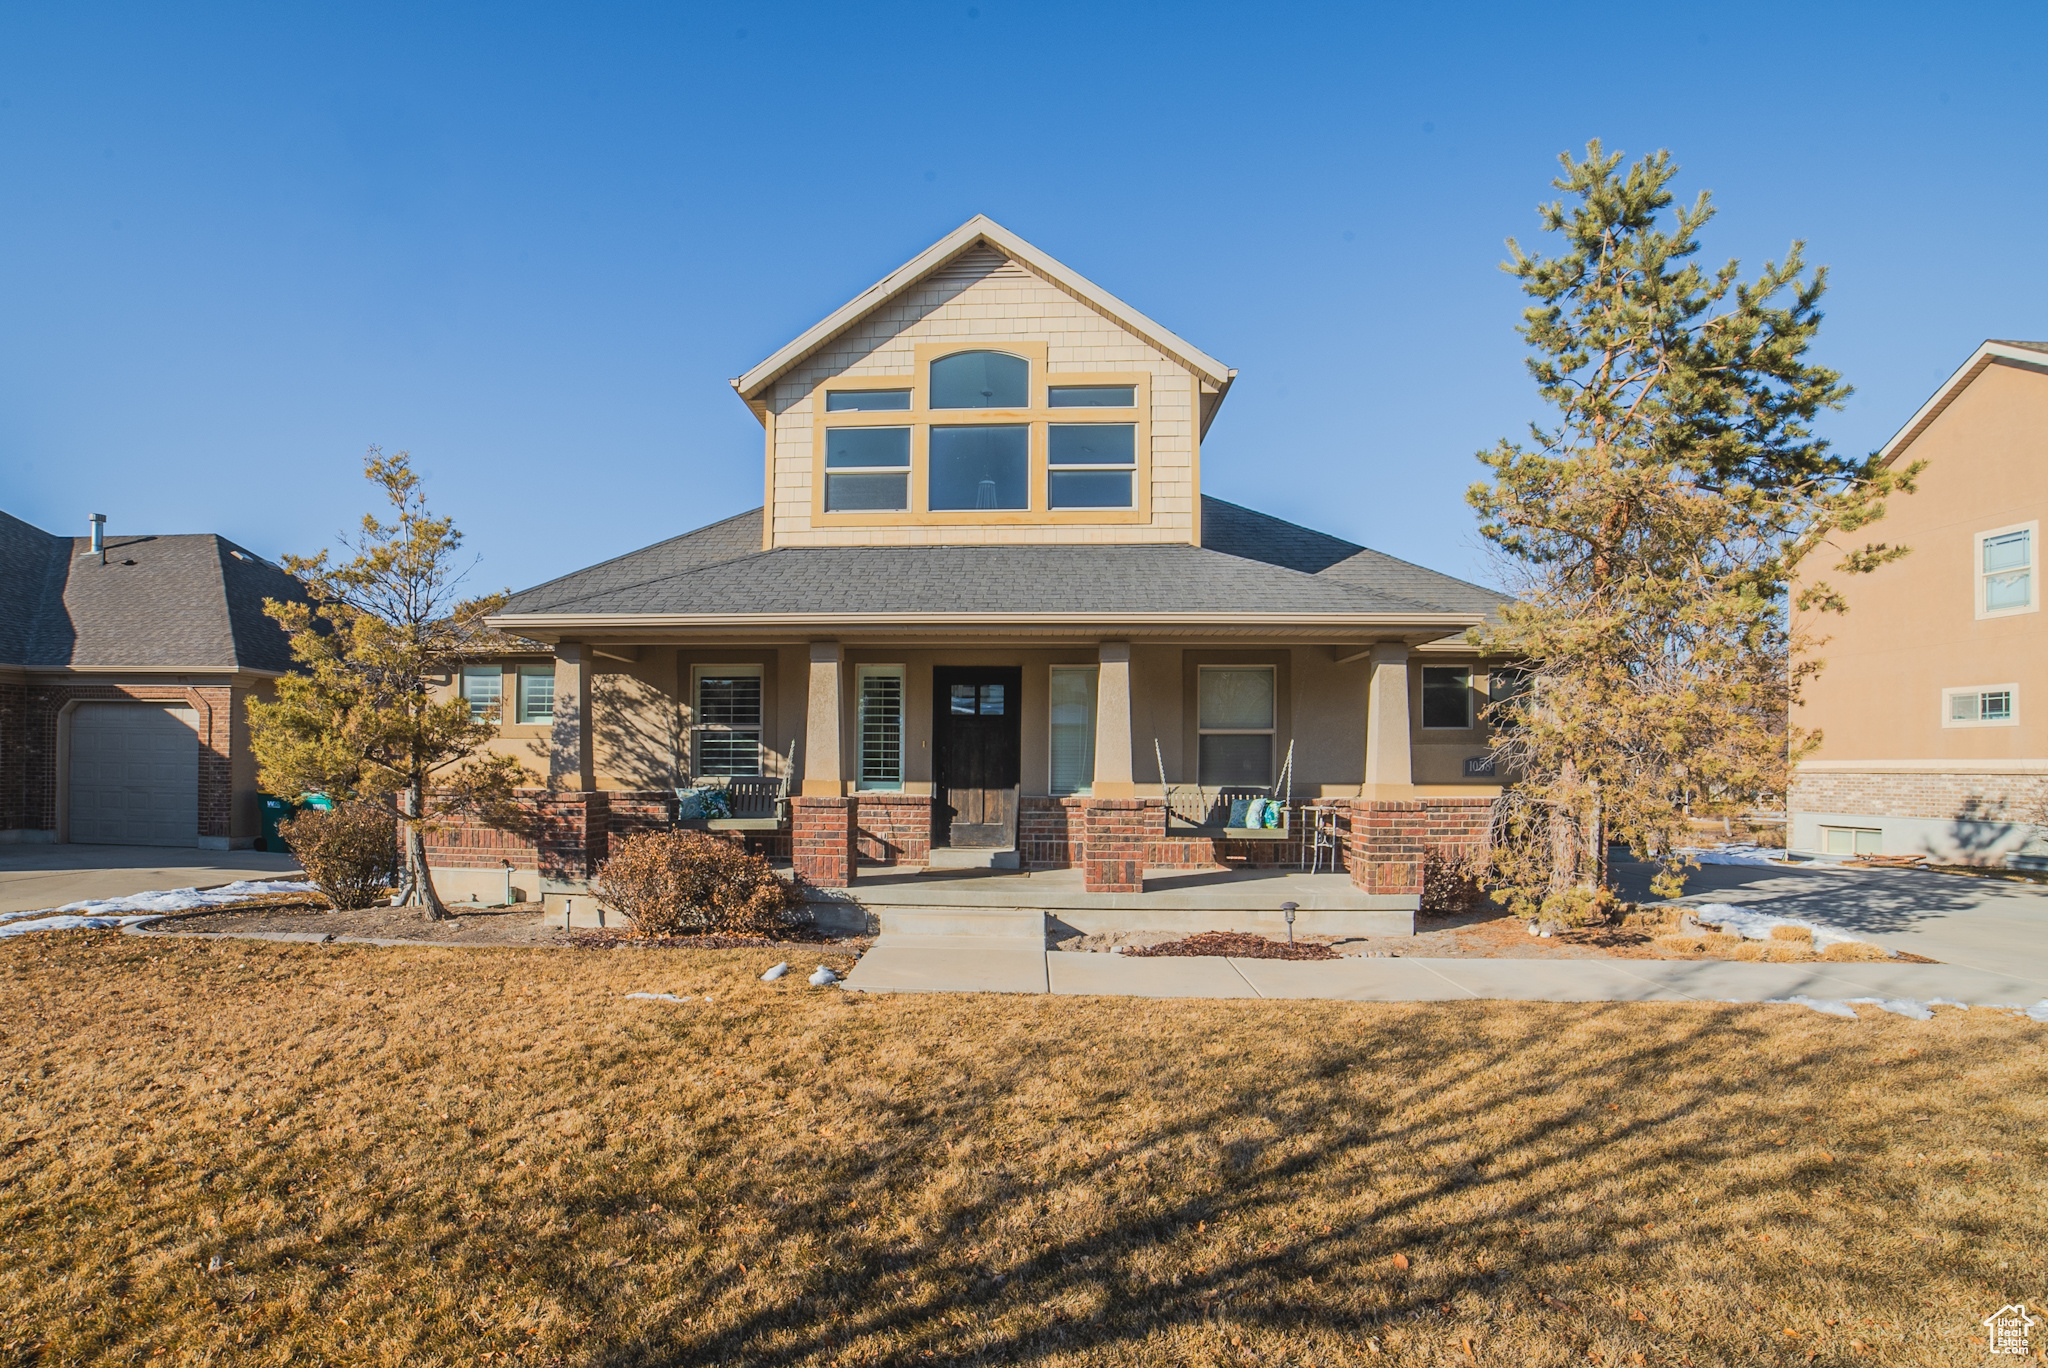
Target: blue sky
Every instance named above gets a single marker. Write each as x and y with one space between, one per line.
532 244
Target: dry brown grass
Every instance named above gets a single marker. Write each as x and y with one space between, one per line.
440 1156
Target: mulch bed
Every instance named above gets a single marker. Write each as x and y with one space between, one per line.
1236 945
613 940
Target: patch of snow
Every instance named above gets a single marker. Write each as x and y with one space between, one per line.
823 977
104 914
1735 855
1839 1009
1753 925
67 923
777 972
172 900
1905 1007
658 997
2037 1012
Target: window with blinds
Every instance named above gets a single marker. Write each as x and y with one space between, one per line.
1073 729
881 726
725 733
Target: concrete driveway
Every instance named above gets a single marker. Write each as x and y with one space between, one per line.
1993 925
33 877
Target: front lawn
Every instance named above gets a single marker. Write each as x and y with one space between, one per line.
238 1152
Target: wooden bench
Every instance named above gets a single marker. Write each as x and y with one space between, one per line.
758 804
1213 823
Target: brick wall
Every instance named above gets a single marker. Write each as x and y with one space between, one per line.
1942 797
1456 826
1389 841
14 754
1049 832
895 828
1116 833
28 747
824 840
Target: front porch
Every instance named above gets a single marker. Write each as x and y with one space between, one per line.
1058 901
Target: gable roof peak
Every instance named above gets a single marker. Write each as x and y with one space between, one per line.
977 231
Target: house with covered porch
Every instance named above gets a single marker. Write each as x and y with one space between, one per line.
986 616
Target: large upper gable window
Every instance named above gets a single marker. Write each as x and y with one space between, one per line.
982 432
981 467
981 380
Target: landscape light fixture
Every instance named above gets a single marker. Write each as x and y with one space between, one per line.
1287 911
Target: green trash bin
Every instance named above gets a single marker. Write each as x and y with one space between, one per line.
275 810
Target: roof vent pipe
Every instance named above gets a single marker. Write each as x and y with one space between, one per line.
99 536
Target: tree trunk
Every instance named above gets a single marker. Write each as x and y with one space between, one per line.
417 885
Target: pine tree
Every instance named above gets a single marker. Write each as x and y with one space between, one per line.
358 720
1653 532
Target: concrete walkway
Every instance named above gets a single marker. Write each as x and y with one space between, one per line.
33 877
975 964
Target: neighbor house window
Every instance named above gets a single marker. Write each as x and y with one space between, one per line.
2008 578
1234 719
980 467
980 434
1073 729
1090 465
881 726
867 469
725 729
484 687
536 694
1983 706
1836 840
1446 697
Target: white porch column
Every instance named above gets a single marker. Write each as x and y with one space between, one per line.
1387 770
1113 722
823 757
570 754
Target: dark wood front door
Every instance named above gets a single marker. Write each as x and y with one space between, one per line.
977 739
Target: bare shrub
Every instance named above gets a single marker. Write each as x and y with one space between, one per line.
350 853
1452 881
679 883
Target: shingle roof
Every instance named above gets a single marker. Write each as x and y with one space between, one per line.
1264 566
1246 532
188 601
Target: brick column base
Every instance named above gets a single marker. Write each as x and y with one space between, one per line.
824 840
1115 833
1388 843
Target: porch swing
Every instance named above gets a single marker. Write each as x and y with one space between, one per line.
1226 816
757 803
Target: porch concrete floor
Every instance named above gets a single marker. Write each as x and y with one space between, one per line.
1207 890
905 901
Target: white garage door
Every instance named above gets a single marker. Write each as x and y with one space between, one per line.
134 775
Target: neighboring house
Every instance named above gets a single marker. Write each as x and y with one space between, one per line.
987 604
1934 701
123 669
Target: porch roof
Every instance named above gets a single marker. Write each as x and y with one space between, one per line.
719 577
